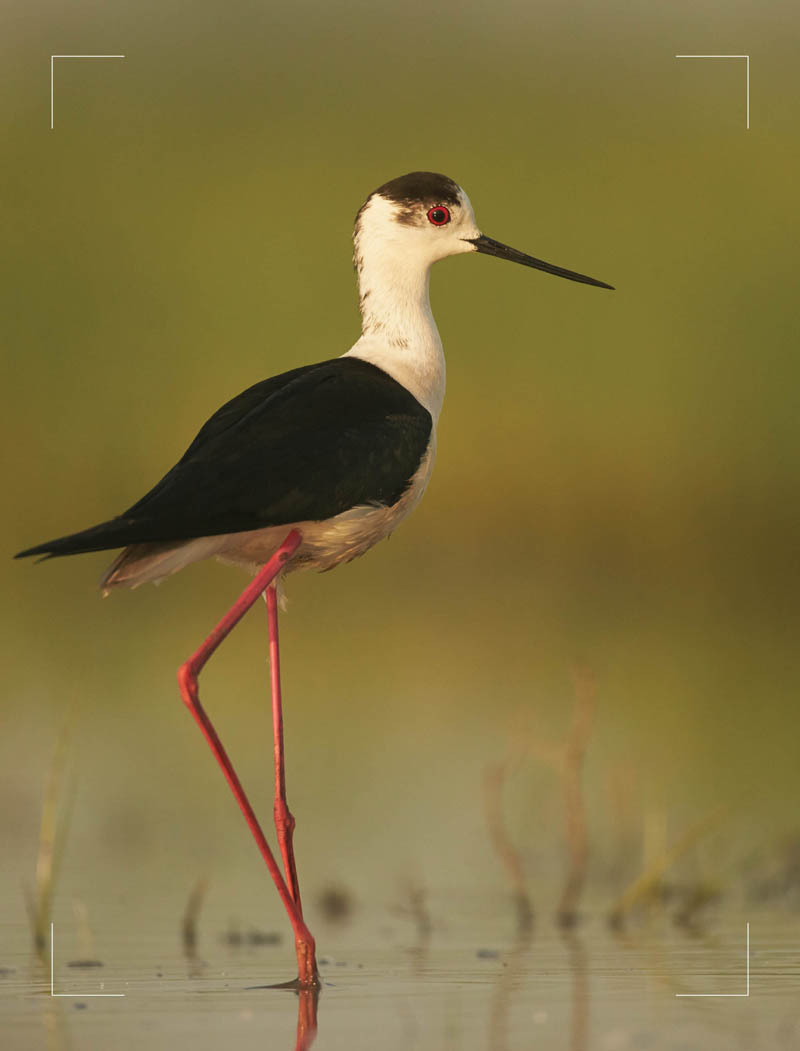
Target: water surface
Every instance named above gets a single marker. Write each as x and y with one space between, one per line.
459 988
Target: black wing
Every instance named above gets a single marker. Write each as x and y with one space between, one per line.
305 445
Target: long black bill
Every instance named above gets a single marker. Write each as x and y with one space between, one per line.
489 246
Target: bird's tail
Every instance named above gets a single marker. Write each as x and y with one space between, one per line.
117 532
146 557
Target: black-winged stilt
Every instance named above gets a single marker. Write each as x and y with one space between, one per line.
311 468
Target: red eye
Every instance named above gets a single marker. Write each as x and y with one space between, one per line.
439 215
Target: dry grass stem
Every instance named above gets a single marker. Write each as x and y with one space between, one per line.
53 832
645 887
572 780
494 781
190 914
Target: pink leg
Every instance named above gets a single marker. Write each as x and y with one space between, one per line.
284 821
187 681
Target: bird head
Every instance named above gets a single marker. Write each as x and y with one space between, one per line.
423 217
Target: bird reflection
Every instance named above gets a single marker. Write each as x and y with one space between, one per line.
307 1000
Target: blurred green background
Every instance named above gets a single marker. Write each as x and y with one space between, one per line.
616 483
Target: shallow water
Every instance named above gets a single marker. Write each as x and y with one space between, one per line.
457 988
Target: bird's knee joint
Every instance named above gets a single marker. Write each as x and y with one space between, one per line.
187 683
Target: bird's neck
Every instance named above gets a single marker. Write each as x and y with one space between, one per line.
398 332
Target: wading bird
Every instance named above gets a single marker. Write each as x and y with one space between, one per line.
309 469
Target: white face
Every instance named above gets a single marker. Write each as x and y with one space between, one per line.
423 231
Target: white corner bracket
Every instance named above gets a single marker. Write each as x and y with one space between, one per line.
52 65
747 77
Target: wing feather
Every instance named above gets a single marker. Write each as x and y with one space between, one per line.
305 445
